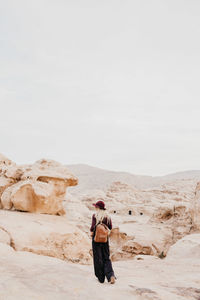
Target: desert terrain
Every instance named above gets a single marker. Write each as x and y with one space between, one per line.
45 243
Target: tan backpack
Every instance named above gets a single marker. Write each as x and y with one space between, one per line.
101 235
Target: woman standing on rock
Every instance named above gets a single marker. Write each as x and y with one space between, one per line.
101 253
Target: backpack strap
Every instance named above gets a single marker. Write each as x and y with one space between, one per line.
100 221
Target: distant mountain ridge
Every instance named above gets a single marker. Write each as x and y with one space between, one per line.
184 174
95 178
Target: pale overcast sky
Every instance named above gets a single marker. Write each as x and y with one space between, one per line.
113 84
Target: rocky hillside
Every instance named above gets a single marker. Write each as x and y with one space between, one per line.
96 178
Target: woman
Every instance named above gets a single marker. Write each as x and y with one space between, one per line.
101 253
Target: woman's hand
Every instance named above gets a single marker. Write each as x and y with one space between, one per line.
91 234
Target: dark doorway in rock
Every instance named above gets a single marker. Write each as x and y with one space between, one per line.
130 212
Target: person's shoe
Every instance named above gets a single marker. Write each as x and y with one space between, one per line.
112 279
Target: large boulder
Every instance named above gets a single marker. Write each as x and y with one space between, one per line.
186 248
38 188
37 197
133 239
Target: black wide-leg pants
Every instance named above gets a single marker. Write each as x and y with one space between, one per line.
102 263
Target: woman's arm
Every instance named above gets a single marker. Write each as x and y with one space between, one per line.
93 223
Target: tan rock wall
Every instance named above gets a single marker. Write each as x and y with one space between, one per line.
195 206
46 235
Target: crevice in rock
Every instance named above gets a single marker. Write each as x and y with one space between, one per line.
12 243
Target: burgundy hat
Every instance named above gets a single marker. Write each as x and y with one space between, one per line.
99 204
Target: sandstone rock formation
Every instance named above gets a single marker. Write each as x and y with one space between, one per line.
195 206
149 220
44 234
148 224
38 188
187 247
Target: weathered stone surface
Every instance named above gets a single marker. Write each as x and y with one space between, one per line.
159 218
4 161
177 217
145 278
187 247
44 234
38 188
4 184
4 236
140 239
47 170
154 218
136 248
38 197
195 207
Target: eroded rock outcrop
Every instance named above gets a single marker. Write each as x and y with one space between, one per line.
38 188
45 235
177 217
195 206
150 221
185 248
144 239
